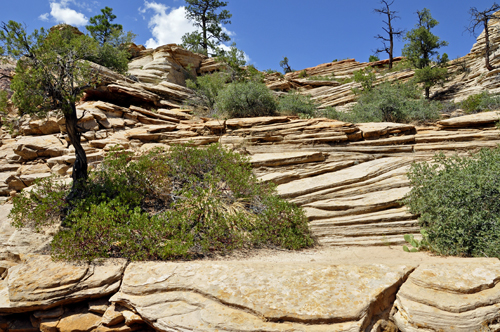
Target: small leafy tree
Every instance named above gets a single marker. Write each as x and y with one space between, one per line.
422 47
286 67
204 15
52 74
482 19
373 58
389 29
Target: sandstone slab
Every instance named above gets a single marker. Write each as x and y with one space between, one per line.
40 283
471 120
285 158
450 297
360 172
259 296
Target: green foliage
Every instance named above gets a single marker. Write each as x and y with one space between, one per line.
294 103
101 28
113 41
246 99
303 74
271 71
398 102
286 67
192 41
373 58
50 73
207 88
186 203
416 244
421 48
234 59
481 102
330 77
366 77
203 14
458 200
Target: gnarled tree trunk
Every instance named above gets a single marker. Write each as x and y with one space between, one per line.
80 174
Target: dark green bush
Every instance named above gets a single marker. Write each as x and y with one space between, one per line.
183 204
296 104
246 99
398 102
458 200
480 102
206 89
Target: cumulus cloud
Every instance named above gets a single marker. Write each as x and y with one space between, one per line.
61 13
167 25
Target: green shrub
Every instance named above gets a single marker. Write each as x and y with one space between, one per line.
480 102
303 74
207 88
366 77
183 204
399 102
373 58
246 99
458 200
296 104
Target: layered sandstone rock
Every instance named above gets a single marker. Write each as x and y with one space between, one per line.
450 297
260 297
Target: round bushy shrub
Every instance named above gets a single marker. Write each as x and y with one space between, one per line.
480 102
391 102
181 204
246 99
297 104
458 200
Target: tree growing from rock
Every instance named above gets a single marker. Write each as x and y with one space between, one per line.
482 19
286 67
52 74
421 51
203 14
389 29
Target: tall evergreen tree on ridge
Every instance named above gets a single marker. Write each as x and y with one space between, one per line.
421 49
203 14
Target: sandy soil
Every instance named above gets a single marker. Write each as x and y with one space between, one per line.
389 255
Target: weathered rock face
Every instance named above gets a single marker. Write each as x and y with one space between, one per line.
454 297
169 63
260 297
39 283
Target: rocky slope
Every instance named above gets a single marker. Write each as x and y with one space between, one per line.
350 179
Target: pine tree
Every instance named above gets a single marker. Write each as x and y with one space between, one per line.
203 14
422 48
102 28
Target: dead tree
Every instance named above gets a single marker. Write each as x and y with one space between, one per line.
482 20
389 29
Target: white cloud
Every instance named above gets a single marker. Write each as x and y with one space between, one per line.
61 13
169 25
166 26
44 17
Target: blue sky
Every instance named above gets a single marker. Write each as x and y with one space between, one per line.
307 32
